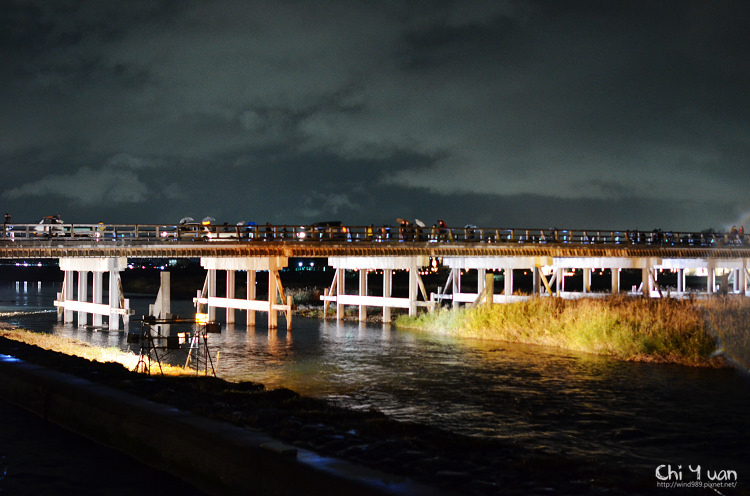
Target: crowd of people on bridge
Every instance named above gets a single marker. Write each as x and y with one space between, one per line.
418 231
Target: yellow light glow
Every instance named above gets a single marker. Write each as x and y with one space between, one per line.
201 318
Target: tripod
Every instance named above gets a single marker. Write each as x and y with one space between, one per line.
147 348
198 343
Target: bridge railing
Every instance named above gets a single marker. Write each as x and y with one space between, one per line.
191 233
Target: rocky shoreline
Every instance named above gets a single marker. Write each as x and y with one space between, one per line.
456 464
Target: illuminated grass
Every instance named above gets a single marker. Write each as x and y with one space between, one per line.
71 346
663 330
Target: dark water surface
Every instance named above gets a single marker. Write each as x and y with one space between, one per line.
632 415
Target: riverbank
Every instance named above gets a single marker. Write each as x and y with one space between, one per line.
703 333
431 456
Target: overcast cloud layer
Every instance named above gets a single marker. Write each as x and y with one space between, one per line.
610 115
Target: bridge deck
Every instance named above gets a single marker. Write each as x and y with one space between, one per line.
33 249
32 241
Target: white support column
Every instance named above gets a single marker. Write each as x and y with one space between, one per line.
481 273
647 281
508 283
615 280
742 276
162 306
61 297
559 276
68 295
250 296
387 292
586 280
537 281
211 282
711 281
681 280
230 294
83 295
165 290
340 274
114 301
413 288
98 290
286 300
273 316
489 288
124 303
456 285
362 292
735 280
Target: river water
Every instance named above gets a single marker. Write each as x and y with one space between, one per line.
632 415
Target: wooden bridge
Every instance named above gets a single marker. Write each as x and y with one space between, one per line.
102 251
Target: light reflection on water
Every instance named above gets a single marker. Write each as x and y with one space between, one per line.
639 414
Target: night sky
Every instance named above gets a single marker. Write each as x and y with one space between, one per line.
529 114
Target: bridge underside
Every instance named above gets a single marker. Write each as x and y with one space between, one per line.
277 300
98 266
548 275
74 296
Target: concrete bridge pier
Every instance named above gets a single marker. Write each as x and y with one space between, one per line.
647 280
615 266
739 278
250 296
98 296
162 307
508 282
363 291
230 292
615 279
387 292
506 264
681 281
455 278
337 292
734 270
70 301
208 299
83 285
587 280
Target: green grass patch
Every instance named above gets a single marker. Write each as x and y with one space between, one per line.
663 330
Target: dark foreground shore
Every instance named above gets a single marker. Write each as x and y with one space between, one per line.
436 458
41 458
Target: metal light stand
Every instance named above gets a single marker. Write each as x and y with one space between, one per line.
197 350
198 343
147 348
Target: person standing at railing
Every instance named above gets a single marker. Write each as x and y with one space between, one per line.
442 230
6 229
402 226
99 231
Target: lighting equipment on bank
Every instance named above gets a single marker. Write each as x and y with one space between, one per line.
158 342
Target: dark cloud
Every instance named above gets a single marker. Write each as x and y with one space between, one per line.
591 114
